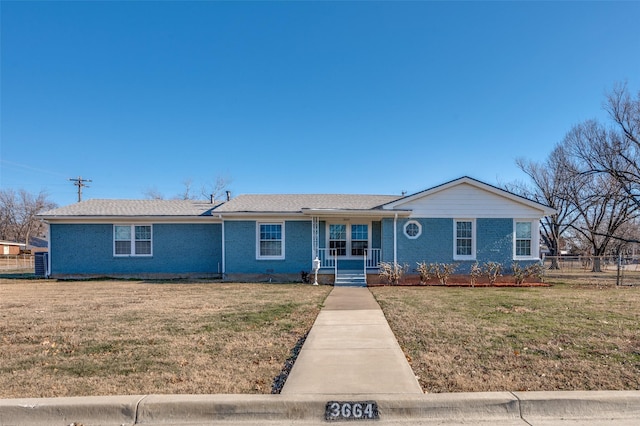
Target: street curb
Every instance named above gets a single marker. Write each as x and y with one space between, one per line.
509 407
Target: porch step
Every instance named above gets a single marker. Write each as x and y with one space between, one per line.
350 279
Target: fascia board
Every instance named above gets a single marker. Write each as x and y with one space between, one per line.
356 213
130 219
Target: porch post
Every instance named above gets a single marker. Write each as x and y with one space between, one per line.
315 244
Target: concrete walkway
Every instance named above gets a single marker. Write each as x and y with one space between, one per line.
351 350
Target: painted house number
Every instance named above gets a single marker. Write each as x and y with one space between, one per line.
362 410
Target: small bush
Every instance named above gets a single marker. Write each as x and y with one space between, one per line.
475 273
425 270
392 273
443 271
493 270
520 274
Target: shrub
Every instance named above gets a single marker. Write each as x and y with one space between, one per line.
520 274
425 270
475 273
392 273
492 270
443 271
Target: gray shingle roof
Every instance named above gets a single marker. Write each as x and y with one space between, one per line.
131 208
291 203
261 203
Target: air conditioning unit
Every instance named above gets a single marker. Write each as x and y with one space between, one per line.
41 262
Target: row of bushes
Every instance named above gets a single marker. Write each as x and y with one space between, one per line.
392 273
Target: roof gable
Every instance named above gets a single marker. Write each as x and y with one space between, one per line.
467 197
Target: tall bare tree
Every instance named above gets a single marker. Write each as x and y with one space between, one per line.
603 210
549 186
613 149
18 210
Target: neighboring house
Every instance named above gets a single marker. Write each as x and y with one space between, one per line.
37 245
275 237
10 248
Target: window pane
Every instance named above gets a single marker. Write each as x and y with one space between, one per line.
271 232
270 248
359 232
143 232
463 247
123 247
123 233
358 248
463 229
523 229
412 229
337 232
338 247
523 247
143 247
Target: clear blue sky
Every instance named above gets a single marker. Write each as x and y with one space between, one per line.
298 97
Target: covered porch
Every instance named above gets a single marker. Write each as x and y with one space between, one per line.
349 240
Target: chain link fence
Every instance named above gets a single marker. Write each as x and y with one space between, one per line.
599 270
23 263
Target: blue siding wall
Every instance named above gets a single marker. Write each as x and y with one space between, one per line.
240 248
494 242
177 249
435 243
376 235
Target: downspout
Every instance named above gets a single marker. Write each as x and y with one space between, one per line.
48 266
395 240
224 264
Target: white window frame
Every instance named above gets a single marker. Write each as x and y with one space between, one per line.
412 222
535 232
133 240
457 256
349 246
282 240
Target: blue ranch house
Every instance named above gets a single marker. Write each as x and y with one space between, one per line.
275 237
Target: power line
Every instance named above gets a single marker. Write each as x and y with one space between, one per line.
80 183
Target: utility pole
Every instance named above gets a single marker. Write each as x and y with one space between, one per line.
80 183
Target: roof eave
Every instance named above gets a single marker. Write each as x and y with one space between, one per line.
128 218
359 213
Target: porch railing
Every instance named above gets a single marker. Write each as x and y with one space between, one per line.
328 258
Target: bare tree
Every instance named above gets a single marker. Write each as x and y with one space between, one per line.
548 186
216 189
603 210
213 190
613 149
18 212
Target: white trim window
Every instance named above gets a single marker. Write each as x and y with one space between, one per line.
359 239
464 239
270 240
348 240
338 239
132 240
412 229
523 233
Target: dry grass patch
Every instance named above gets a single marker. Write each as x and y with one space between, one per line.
114 337
510 339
